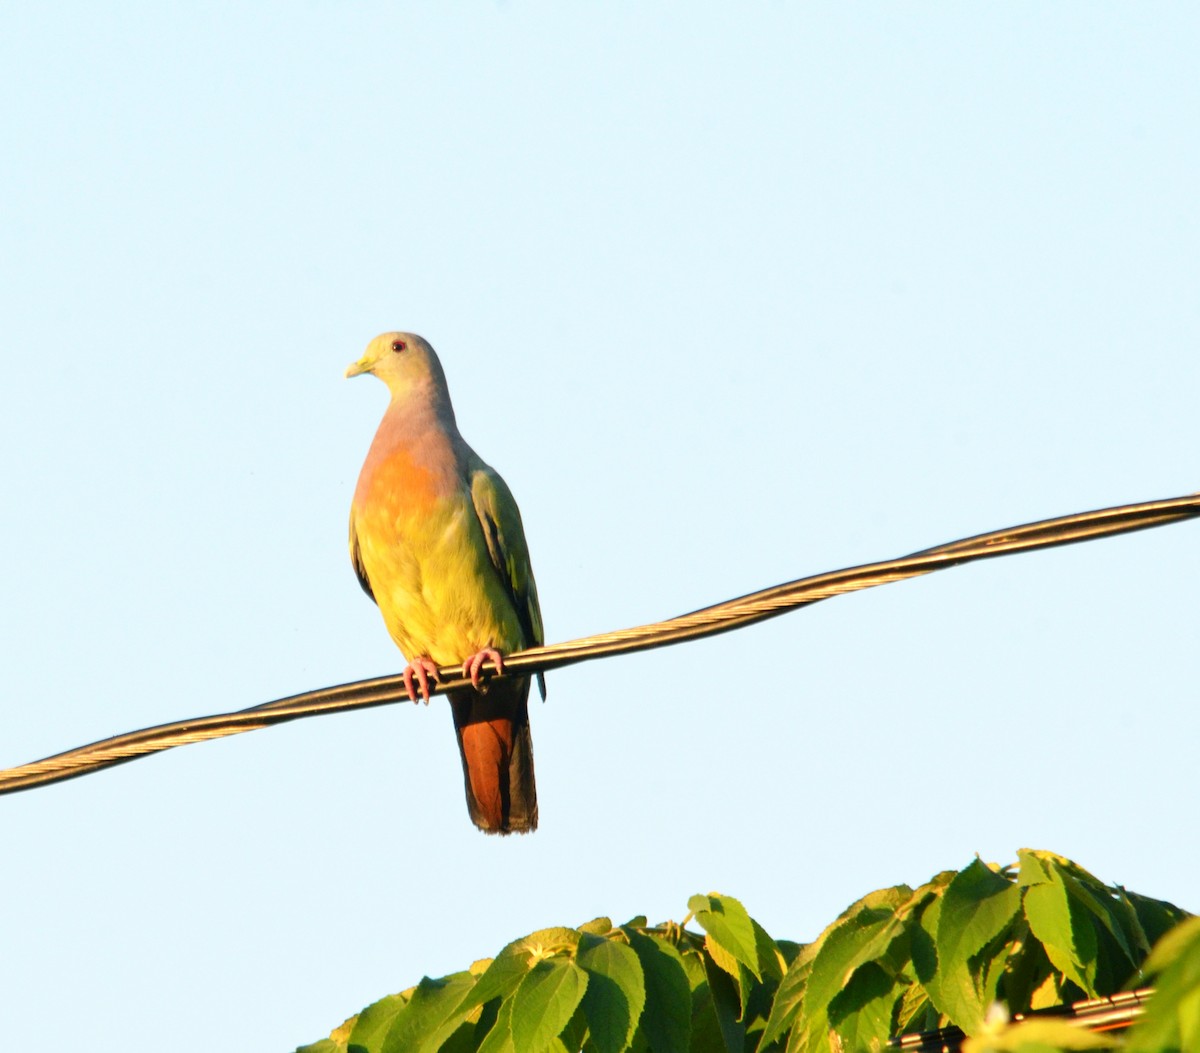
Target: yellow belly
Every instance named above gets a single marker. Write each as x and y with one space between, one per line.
434 581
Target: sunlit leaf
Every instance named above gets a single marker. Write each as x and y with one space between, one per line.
500 978
667 1020
616 992
789 998
1172 1018
544 1002
431 1016
976 907
1036 1036
727 1006
706 1033
499 1038
727 922
371 1028
862 1012
1066 934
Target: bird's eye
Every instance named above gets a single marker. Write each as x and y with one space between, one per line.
398 345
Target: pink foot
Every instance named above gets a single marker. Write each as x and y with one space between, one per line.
420 671
473 664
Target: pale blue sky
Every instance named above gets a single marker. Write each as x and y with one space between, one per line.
729 295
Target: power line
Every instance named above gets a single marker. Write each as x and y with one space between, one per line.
719 618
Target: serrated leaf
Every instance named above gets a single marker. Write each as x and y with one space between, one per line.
924 945
976 907
1048 993
573 1035
770 959
546 943
543 1003
1100 903
1182 943
789 998
862 1012
464 1039
726 921
706 1035
833 968
616 992
500 978
950 985
499 1038
1068 937
916 1012
667 1019
1034 866
1172 1017
727 1005
734 969
1156 915
431 1016
371 1028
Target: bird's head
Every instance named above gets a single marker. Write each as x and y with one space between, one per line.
406 364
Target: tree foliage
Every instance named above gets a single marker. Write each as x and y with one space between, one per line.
1038 933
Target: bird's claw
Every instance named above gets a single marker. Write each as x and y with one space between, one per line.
420 671
472 666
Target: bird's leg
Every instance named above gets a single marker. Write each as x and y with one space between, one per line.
420 671
473 664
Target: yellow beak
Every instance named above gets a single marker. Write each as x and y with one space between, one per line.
356 368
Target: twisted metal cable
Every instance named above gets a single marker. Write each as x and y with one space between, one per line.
708 621
1112 1013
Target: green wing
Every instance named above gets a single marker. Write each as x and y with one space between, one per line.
356 558
501 521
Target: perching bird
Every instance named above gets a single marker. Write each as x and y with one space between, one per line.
436 540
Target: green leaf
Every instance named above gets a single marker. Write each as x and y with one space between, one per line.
770 959
616 992
916 1012
324 1045
951 985
833 968
727 922
597 926
1025 971
976 907
862 1012
732 968
371 1028
431 1016
789 998
1065 932
706 1033
924 944
727 1004
1156 915
542 1006
499 1038
1172 1018
1107 907
667 1020
1034 866
1035 1036
500 978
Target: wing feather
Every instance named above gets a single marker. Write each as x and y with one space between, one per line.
501 521
360 570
